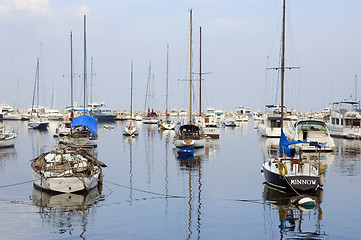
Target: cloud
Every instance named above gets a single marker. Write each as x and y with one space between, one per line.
35 7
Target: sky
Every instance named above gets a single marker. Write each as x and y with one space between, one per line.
240 40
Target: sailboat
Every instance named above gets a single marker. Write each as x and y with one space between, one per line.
287 169
7 139
84 128
151 117
37 119
130 129
167 124
190 135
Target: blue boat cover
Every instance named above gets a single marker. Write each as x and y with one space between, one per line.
284 145
87 121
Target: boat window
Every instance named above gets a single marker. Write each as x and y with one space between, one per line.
356 122
337 121
333 121
348 122
311 127
275 123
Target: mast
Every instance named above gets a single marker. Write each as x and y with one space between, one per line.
166 96
147 90
200 71
190 69
84 62
356 88
71 76
38 84
131 91
91 81
283 59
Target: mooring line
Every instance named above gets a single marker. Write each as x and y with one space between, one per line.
14 184
140 190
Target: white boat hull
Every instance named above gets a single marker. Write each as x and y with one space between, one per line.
65 184
199 143
130 132
8 140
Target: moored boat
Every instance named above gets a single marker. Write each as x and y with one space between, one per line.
66 170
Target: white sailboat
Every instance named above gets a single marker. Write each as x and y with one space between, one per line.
37 118
167 124
84 129
7 139
190 135
131 129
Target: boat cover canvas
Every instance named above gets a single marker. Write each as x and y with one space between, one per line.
87 121
284 145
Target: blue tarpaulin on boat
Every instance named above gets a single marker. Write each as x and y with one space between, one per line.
284 145
87 121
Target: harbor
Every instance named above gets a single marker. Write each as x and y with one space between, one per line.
184 121
148 193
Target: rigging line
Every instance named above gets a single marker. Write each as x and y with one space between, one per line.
140 190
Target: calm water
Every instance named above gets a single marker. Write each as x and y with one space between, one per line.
149 194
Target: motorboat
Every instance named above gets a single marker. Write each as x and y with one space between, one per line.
66 170
102 113
53 114
312 130
270 124
8 112
241 115
345 120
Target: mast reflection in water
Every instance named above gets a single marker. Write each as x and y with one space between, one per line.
294 221
68 213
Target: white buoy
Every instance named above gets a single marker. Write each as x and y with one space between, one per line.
306 203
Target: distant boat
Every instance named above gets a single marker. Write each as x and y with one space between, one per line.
167 124
102 113
270 124
7 139
151 117
345 120
241 115
66 170
8 112
131 129
37 118
229 122
53 114
186 151
286 168
83 132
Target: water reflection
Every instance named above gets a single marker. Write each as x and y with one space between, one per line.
130 140
193 167
7 154
68 213
294 221
349 161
